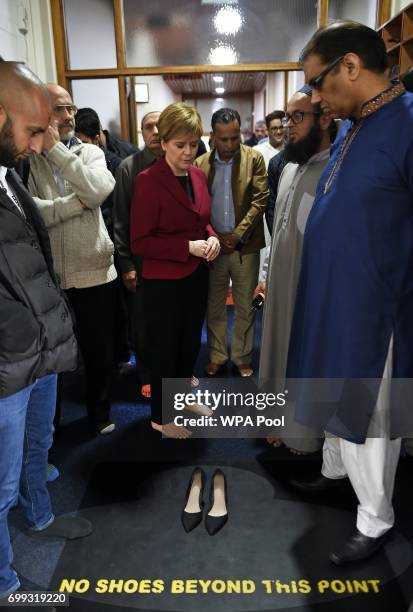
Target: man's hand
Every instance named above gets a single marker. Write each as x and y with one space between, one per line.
228 242
130 280
213 248
51 136
260 288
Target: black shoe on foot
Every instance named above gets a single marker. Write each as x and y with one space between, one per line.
67 527
218 512
318 485
356 548
194 504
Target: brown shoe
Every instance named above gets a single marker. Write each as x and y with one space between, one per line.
212 368
245 370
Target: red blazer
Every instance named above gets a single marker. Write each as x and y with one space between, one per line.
164 220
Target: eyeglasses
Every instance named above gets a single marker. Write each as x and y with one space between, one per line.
317 82
276 128
61 108
296 117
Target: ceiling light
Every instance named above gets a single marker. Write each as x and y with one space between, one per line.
220 90
228 21
222 55
218 79
219 1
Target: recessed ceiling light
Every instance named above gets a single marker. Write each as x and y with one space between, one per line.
228 20
223 55
218 79
220 90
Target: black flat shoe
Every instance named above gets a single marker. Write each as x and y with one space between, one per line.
218 512
318 485
194 504
357 547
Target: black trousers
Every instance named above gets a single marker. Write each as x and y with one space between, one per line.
174 314
139 334
94 309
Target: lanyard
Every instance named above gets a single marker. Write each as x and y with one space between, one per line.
11 195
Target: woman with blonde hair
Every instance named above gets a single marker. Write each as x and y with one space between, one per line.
171 231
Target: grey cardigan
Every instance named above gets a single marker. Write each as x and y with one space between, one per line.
81 247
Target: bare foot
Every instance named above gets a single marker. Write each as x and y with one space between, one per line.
274 441
294 451
146 391
170 430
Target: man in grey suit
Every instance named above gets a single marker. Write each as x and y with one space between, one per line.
126 175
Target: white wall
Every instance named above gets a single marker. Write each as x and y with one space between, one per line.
90 33
259 105
103 96
398 5
208 106
12 42
26 35
296 80
275 91
160 95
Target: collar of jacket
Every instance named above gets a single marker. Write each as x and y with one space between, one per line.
172 184
211 160
148 157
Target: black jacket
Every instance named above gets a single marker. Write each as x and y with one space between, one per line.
120 147
275 168
36 333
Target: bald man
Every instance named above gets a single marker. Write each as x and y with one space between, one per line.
36 333
69 182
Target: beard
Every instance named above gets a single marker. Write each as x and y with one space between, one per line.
68 136
301 151
8 151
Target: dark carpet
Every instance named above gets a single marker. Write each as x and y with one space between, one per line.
132 485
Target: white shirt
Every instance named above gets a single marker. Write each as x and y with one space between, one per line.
267 151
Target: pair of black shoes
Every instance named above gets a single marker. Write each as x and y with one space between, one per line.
217 514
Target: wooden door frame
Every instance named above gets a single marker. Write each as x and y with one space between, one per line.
65 75
123 72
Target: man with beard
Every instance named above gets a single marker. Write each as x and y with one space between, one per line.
307 152
69 182
131 266
36 333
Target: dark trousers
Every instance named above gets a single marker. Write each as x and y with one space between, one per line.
123 335
139 333
174 314
94 309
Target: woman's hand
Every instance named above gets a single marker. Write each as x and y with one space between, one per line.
197 248
213 248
